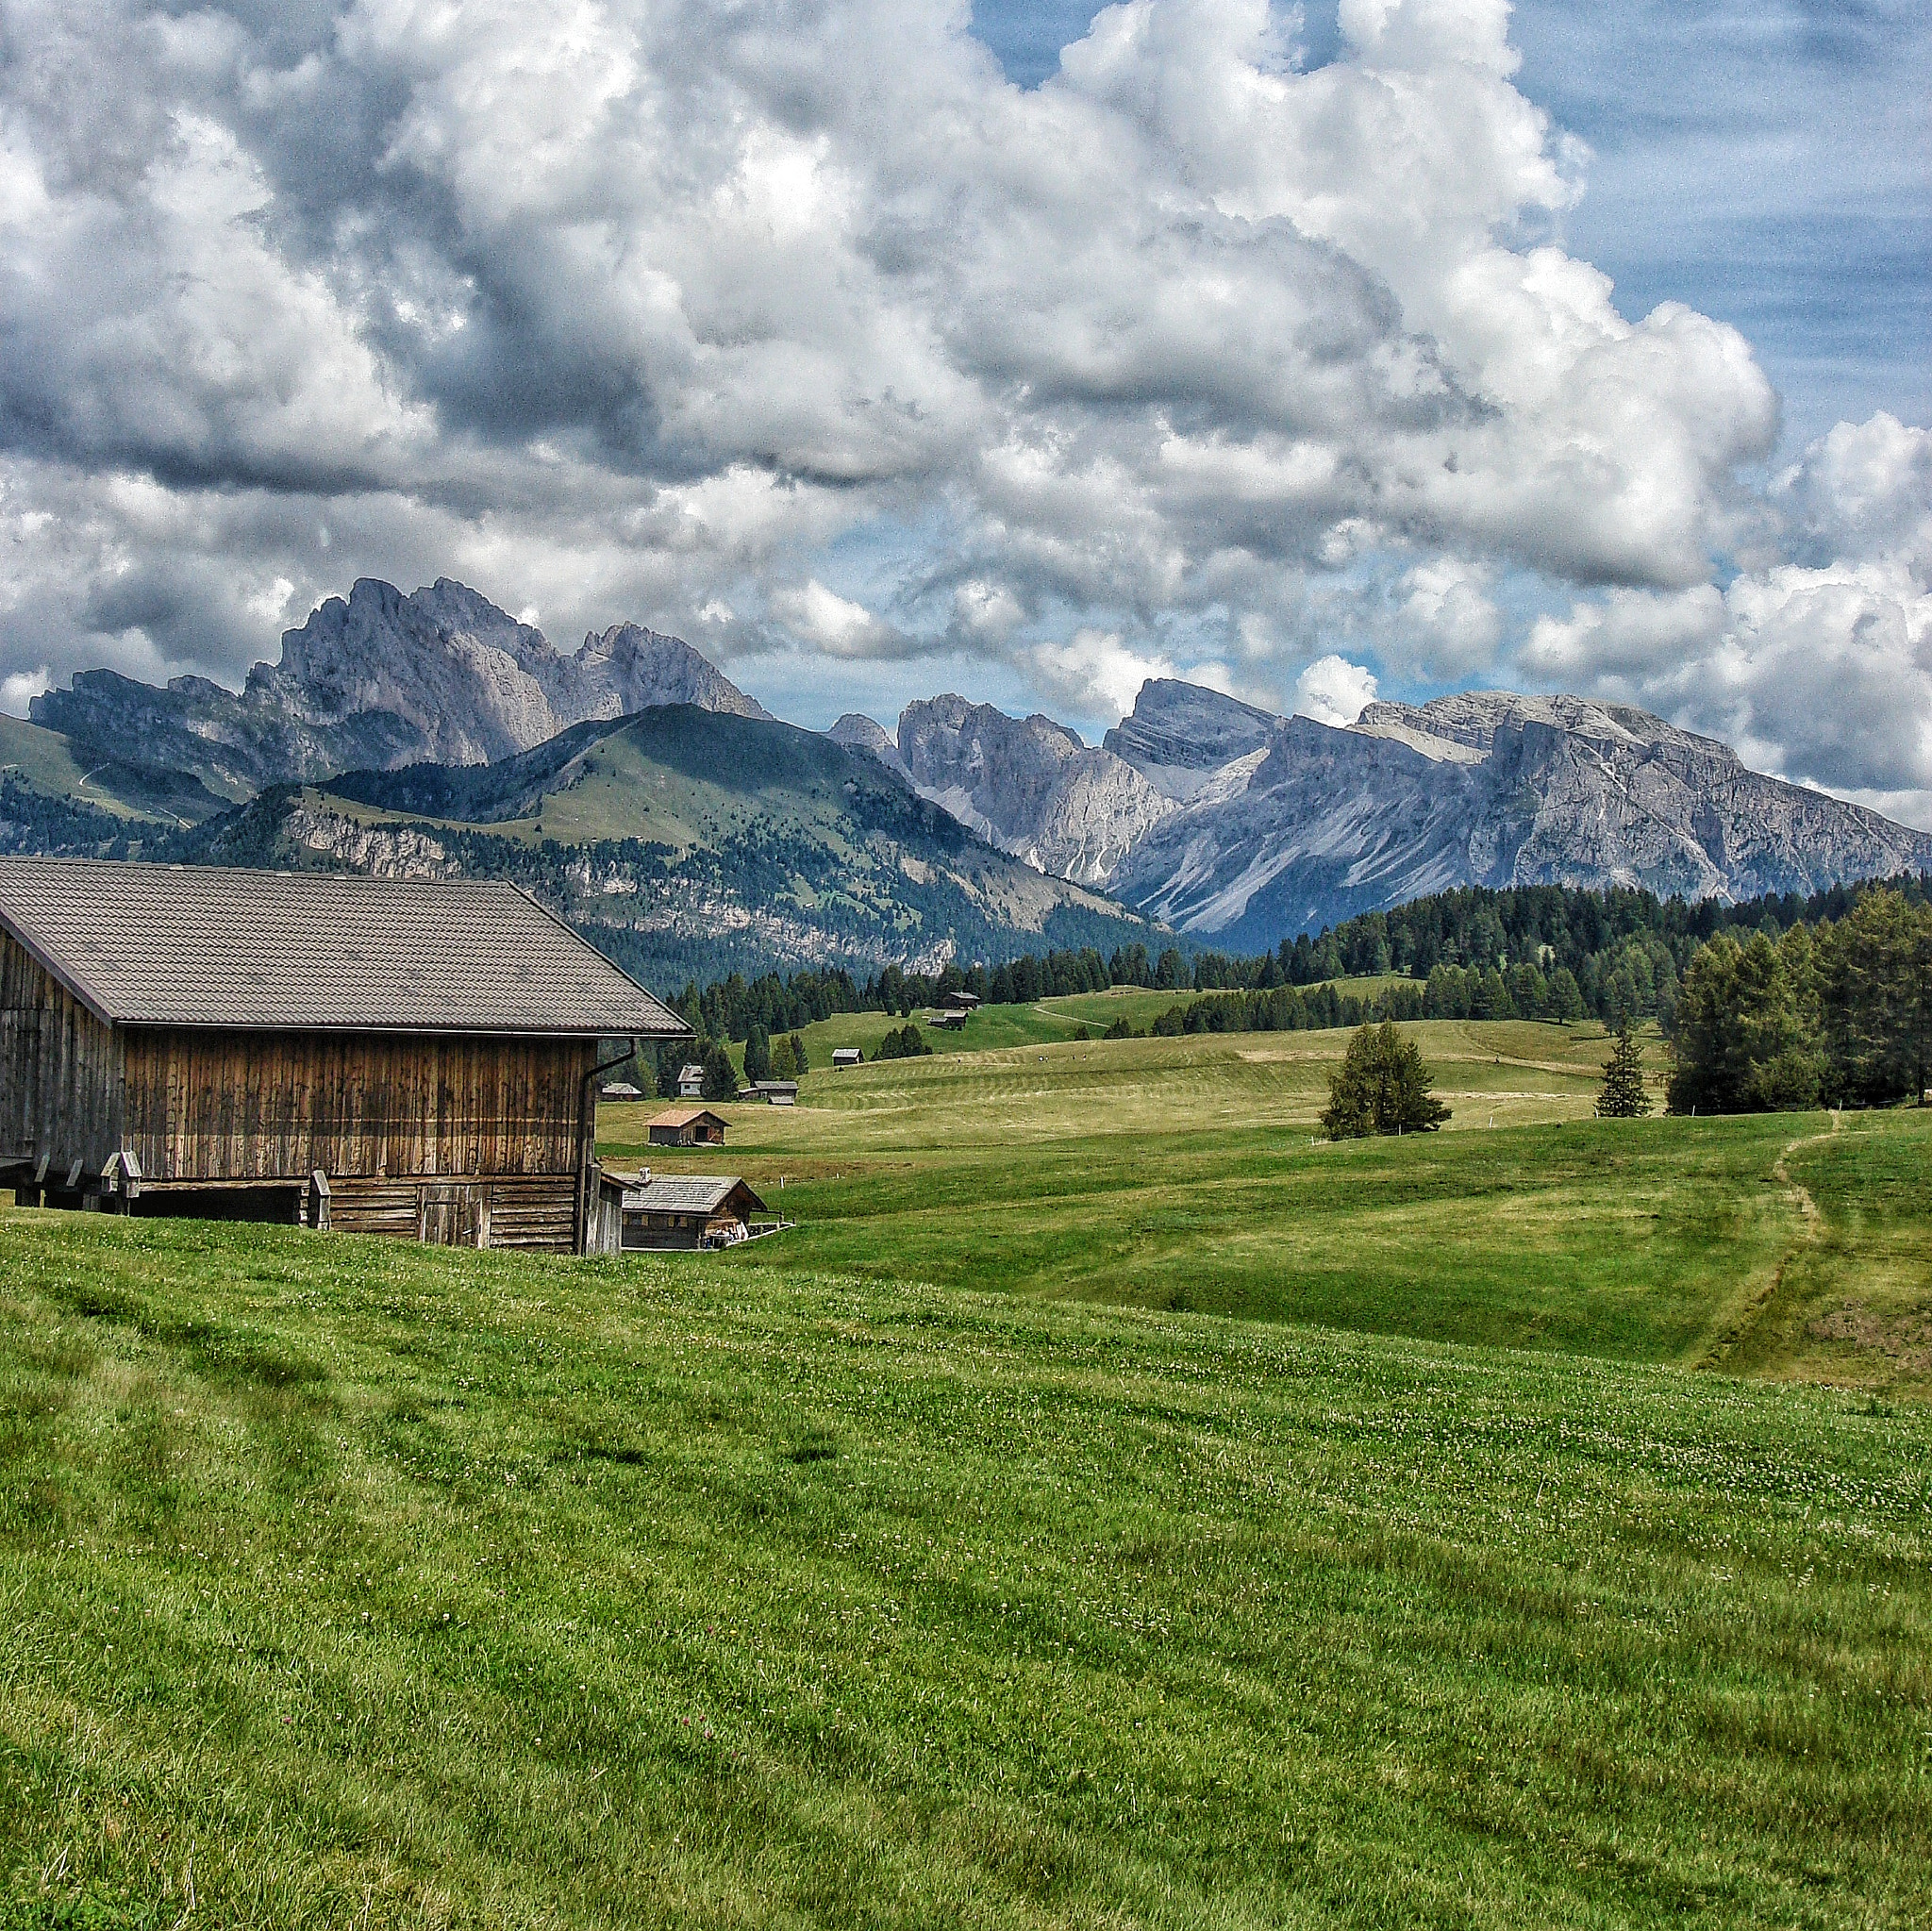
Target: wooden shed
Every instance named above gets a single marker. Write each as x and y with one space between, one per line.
384 1056
687 1210
687 1126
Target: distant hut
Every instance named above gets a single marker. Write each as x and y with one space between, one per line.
776 1092
690 1083
687 1210
380 1056
623 1094
687 1126
846 1056
951 1020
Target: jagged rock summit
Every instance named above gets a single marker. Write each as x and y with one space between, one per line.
1223 818
1029 786
378 680
857 732
1184 739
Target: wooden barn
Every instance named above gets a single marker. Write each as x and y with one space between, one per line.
382 1056
687 1126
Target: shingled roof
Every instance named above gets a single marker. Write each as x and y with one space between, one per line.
198 945
684 1194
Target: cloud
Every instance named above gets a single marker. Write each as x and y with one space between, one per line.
657 309
1332 691
1864 490
1448 617
1095 674
1631 633
19 687
1822 672
836 624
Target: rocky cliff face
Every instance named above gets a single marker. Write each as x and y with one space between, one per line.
1219 818
1029 786
380 680
1487 788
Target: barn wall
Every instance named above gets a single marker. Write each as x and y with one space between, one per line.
535 1211
228 1106
60 1072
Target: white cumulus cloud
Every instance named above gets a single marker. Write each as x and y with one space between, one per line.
661 308
1332 691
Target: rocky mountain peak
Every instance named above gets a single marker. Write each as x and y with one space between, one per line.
1179 736
857 732
379 680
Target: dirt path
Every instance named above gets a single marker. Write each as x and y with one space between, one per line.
1810 1228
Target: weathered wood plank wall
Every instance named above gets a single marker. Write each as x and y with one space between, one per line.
518 1210
224 1106
60 1071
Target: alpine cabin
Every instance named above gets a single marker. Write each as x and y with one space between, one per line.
380 1055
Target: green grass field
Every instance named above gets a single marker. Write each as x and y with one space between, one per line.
959 1558
1186 1174
1050 1021
351 1583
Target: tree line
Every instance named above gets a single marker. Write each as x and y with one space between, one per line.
1779 1001
1835 1013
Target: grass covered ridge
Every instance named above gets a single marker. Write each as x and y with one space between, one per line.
349 1582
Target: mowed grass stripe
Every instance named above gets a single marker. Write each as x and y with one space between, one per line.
361 1583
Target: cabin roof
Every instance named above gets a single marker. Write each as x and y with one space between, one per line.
686 1193
204 945
686 1116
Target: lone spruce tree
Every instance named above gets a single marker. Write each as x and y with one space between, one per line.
1381 1086
1622 1095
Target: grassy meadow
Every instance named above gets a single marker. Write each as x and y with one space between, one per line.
1186 1174
1108 1507
351 1583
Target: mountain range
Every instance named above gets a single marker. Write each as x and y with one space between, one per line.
1223 820
382 680
635 787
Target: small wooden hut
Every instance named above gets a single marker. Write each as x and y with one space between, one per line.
406 1056
686 1211
687 1126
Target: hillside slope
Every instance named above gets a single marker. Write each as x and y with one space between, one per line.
686 841
50 801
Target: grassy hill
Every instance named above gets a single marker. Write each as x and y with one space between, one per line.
352 1583
48 802
1186 1174
689 843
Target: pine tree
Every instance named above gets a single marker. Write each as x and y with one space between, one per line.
801 1062
1622 1095
1381 1086
758 1053
721 1076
